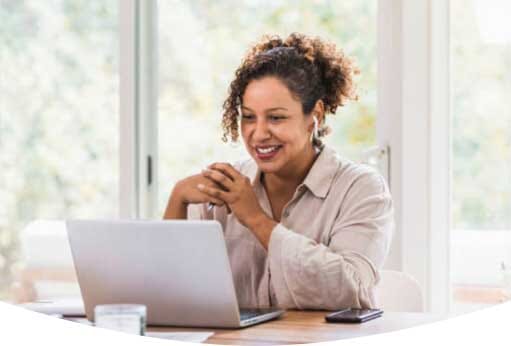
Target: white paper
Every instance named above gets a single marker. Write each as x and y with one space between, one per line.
66 307
181 336
197 337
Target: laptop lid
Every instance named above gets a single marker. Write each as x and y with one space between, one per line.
179 269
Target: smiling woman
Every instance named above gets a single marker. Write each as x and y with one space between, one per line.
196 68
304 228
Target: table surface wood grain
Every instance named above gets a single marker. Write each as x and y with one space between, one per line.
296 327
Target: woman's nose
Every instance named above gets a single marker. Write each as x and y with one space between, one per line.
261 131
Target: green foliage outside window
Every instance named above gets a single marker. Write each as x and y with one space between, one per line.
58 116
481 123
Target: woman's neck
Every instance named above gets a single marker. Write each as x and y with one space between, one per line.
287 181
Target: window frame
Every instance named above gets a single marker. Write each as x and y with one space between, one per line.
413 117
138 100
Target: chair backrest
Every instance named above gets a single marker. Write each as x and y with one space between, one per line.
398 291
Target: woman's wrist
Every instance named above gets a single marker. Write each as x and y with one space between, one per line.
177 195
262 226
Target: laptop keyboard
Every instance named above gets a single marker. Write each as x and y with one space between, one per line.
246 314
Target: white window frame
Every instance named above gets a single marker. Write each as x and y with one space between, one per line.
413 118
138 102
413 121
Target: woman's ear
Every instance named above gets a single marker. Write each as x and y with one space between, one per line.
319 111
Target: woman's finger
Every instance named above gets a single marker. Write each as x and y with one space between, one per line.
213 192
215 201
218 177
226 169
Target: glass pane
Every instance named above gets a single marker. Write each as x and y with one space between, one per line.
200 50
58 118
481 150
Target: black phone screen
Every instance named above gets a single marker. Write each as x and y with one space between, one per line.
353 315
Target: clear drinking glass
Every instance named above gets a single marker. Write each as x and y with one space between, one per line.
128 318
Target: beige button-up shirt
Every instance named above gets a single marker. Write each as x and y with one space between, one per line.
325 253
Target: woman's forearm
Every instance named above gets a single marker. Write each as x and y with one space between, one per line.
176 208
301 267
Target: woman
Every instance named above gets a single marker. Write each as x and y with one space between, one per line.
304 229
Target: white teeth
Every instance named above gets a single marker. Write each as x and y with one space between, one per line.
267 150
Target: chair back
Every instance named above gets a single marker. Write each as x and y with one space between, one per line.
398 291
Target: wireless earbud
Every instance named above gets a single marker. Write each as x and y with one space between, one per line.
315 131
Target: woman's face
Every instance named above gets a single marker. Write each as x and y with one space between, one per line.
274 129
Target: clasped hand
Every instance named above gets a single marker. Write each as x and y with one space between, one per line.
235 190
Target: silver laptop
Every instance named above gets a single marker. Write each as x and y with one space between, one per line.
178 269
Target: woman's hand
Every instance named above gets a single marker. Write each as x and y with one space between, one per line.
236 191
185 192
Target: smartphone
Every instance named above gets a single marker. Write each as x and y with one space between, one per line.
353 315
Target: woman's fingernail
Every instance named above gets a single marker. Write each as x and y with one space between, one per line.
200 186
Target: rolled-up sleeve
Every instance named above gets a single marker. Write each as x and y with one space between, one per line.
199 212
341 272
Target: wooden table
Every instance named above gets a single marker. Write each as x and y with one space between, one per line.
296 327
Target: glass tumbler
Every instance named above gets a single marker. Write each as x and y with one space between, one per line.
128 318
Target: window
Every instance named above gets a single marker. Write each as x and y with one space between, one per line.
58 116
481 151
199 50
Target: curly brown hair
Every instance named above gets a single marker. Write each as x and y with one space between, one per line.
311 68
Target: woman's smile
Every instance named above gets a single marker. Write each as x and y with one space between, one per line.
267 152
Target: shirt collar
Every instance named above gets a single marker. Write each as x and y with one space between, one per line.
322 173
320 176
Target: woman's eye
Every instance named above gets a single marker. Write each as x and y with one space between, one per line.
247 117
276 117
